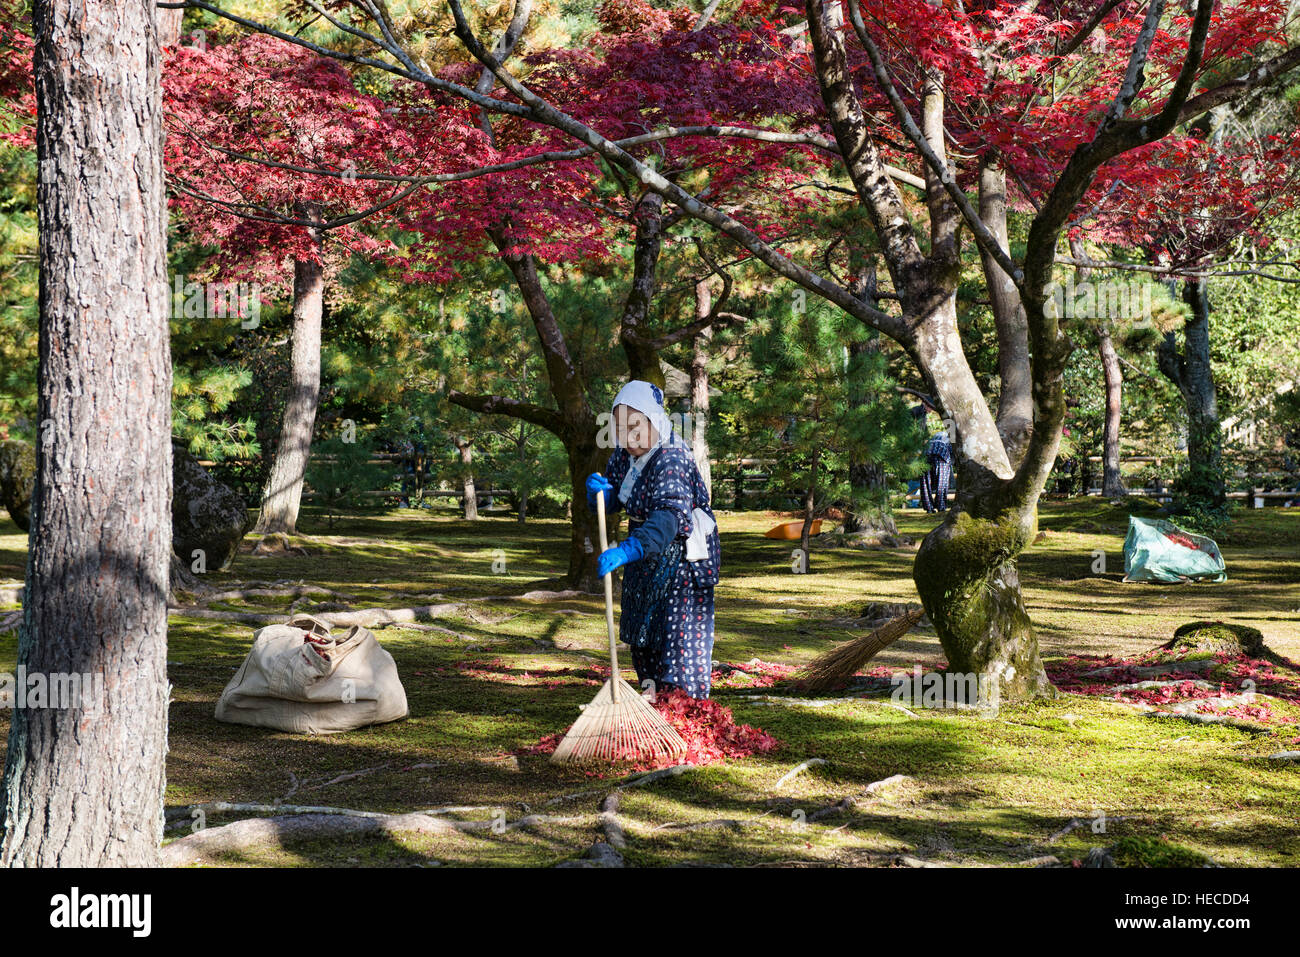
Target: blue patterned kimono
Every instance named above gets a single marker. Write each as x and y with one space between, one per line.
659 510
938 474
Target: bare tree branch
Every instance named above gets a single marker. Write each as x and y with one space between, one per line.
549 419
982 234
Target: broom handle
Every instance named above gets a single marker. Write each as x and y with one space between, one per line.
609 604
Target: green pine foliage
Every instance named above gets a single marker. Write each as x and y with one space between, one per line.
341 472
814 408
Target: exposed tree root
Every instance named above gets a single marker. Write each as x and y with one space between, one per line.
1079 822
1148 685
1148 671
1228 720
365 617
796 770
729 824
542 594
609 822
294 590
640 779
302 824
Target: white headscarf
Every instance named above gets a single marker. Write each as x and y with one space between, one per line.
648 399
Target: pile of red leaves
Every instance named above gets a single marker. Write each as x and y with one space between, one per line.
710 732
1232 675
754 673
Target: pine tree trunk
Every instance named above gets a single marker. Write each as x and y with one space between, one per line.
468 496
169 26
282 495
643 360
877 520
585 457
866 477
809 510
83 786
1191 372
700 388
572 421
1204 443
521 490
1111 484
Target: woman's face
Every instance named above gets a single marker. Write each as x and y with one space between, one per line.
635 433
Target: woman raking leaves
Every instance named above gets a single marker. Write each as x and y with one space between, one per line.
672 554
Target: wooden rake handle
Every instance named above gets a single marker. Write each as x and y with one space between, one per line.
609 603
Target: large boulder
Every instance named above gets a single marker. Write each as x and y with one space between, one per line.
206 515
17 480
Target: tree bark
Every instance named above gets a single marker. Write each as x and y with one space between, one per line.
468 496
868 477
1112 486
642 354
169 25
966 574
809 511
1190 370
282 494
83 785
1015 416
521 497
585 457
700 386
964 570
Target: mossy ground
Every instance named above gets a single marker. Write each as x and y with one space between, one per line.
982 790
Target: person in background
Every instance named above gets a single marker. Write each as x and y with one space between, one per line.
672 552
938 475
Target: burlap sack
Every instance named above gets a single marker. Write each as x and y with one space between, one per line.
286 682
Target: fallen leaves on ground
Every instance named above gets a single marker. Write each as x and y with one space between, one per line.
708 728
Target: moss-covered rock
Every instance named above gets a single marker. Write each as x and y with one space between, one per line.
206 516
1216 637
17 480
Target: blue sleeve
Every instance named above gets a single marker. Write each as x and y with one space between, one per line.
670 501
657 531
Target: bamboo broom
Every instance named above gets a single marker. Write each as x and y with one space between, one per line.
844 661
619 724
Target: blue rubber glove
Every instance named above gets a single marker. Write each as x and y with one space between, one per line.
598 483
618 556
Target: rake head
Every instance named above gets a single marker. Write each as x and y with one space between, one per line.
629 729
